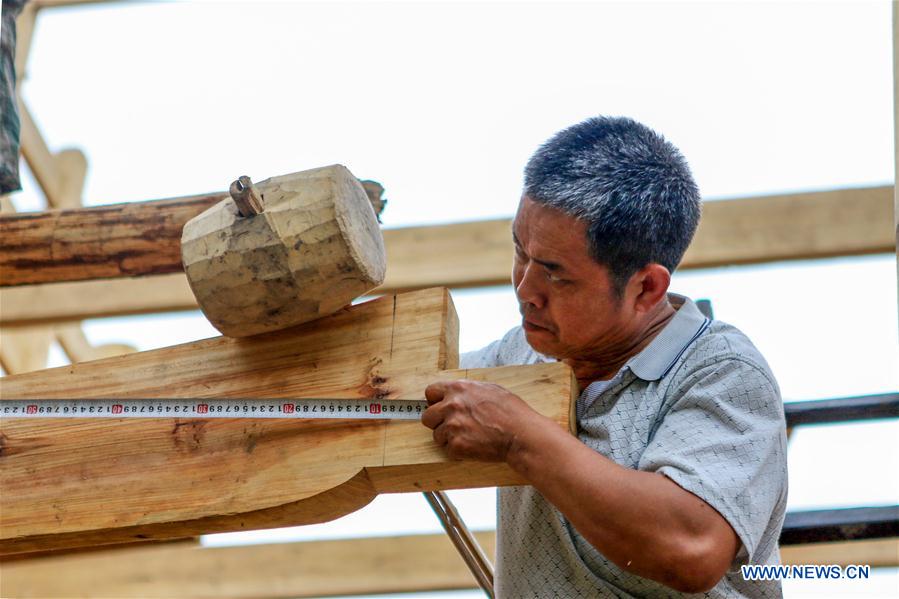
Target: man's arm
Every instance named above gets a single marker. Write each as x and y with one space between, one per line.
642 521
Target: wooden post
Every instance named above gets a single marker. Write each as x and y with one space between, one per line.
90 482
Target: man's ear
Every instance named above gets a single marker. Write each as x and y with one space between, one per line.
649 286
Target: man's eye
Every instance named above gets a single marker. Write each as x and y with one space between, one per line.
553 278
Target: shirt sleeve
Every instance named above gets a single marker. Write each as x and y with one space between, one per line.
486 357
511 349
724 440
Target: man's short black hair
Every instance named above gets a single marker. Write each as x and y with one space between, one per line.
633 188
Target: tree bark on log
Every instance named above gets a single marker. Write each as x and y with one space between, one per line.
102 242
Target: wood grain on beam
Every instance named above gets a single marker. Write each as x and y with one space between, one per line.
165 478
749 230
379 565
821 224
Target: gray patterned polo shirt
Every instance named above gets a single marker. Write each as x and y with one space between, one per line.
700 405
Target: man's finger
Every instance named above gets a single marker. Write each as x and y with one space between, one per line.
435 392
432 417
440 435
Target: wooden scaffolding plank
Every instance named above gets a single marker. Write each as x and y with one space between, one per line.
388 565
167 478
749 230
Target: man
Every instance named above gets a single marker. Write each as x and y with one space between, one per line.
678 474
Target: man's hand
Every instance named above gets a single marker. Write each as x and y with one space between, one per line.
475 421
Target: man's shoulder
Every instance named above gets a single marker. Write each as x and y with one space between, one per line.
724 348
511 349
723 341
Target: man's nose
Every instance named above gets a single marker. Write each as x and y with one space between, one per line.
528 288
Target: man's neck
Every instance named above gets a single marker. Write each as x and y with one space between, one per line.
606 364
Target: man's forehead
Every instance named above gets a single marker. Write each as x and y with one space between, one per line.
533 217
550 235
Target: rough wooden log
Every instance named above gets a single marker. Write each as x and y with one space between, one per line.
116 240
165 478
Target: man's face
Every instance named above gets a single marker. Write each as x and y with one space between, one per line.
567 301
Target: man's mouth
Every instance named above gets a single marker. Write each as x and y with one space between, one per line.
532 326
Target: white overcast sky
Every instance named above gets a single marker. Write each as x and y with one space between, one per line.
444 102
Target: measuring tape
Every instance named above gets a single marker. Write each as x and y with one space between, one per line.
397 409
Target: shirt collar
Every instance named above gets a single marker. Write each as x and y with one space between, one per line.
663 352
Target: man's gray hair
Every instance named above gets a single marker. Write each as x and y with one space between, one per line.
631 186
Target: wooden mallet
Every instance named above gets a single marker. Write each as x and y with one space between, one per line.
285 251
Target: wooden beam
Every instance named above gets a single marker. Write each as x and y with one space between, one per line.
24 34
165 478
170 543
30 305
748 230
309 569
60 175
24 349
740 231
802 226
378 565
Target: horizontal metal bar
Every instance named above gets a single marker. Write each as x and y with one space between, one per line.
818 526
845 409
